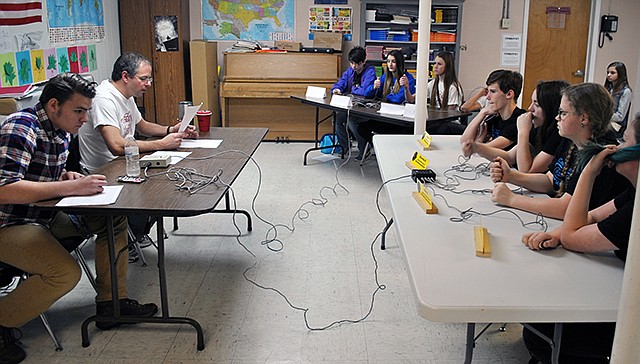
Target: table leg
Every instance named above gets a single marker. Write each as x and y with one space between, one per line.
84 329
316 146
471 330
555 345
384 234
164 318
228 210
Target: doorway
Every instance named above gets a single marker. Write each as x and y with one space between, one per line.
556 43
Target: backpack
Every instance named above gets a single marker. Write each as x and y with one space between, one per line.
329 144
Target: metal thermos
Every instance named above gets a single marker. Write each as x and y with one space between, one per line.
182 107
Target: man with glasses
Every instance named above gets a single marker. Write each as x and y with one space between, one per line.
115 116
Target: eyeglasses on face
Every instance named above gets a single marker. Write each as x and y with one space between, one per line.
562 113
144 79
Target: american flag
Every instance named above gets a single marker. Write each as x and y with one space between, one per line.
20 12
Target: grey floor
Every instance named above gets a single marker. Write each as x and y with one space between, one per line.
325 265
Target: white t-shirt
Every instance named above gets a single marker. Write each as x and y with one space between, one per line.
109 107
454 95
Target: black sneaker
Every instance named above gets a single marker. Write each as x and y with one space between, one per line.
10 352
145 241
128 307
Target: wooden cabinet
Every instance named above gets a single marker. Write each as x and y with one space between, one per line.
397 28
171 77
256 91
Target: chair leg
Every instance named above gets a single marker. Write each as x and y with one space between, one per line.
136 246
45 321
85 268
366 150
47 326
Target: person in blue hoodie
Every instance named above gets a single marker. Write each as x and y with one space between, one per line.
395 86
357 80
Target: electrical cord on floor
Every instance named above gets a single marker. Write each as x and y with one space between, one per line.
301 213
305 310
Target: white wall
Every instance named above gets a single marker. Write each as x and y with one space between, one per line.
481 35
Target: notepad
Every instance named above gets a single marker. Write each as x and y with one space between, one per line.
106 197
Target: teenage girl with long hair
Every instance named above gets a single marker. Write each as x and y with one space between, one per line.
618 86
583 118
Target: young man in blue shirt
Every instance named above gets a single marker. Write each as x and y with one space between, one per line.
356 81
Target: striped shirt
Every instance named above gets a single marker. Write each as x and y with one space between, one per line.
31 149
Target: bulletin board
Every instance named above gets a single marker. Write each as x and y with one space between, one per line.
41 38
335 19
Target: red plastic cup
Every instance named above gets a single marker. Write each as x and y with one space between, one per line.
204 119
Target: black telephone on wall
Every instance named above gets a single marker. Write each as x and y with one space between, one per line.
609 24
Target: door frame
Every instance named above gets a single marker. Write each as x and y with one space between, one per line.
590 71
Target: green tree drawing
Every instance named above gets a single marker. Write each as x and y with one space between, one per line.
63 62
9 73
83 60
52 62
23 70
74 56
39 65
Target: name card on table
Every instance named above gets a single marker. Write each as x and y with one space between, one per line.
425 141
409 111
424 199
341 101
418 161
391 109
315 92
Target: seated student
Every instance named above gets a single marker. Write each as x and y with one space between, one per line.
33 152
584 114
544 138
115 115
395 86
356 80
444 92
477 101
495 124
606 228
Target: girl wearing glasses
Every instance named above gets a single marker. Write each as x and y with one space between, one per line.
583 117
618 86
606 228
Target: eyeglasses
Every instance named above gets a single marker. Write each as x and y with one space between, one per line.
144 79
562 113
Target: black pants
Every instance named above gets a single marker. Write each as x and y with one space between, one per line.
140 225
581 342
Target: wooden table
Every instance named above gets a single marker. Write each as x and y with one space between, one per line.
158 196
451 284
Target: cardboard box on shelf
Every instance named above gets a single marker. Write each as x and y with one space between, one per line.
288 46
327 40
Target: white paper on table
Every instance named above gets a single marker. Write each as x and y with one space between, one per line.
106 197
201 143
175 156
189 113
391 109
